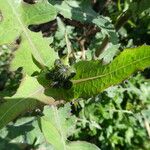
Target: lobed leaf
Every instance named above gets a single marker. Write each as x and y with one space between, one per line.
35 47
83 12
16 16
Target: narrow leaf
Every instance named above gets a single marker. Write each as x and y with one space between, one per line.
82 146
93 77
99 77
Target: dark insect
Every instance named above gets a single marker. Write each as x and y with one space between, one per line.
61 75
67 84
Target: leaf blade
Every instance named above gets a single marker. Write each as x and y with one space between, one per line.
92 77
27 97
55 126
82 145
128 62
17 15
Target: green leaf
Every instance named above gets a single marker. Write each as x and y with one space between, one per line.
61 118
140 6
82 11
26 98
38 13
109 53
56 126
101 76
23 132
82 146
98 77
17 16
35 46
129 134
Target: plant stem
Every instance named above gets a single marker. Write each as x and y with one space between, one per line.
120 22
102 46
123 19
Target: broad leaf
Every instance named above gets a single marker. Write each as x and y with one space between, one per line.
96 80
93 77
24 131
82 146
140 6
17 15
83 12
56 124
26 98
37 47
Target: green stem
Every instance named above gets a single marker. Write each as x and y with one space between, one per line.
125 16
120 22
102 46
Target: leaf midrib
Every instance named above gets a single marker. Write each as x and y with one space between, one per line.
104 75
23 99
26 32
57 121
